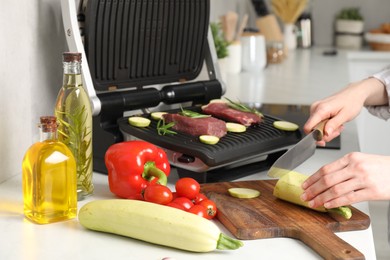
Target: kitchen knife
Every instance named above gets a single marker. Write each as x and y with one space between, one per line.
299 153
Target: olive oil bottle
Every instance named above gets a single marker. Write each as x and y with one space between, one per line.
49 178
74 113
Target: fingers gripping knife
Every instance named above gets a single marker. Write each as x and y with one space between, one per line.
299 153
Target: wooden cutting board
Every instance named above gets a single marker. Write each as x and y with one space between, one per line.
268 217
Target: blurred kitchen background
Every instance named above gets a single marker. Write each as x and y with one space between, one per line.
323 14
31 71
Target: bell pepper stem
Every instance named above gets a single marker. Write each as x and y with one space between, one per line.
150 170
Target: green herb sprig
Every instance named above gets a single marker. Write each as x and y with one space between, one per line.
164 129
74 133
243 108
192 114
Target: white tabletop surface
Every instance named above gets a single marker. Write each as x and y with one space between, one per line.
306 75
299 80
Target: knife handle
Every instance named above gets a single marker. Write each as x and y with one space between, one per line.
319 130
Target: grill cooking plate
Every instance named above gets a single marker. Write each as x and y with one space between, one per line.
186 151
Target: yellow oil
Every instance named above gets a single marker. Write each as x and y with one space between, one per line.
49 183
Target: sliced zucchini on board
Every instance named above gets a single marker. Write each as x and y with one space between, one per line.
235 128
157 115
243 193
139 121
285 126
209 139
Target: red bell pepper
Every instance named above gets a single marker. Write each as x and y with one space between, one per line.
134 165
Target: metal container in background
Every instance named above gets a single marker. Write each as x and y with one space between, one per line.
305 33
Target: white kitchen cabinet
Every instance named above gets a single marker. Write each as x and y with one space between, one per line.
374 133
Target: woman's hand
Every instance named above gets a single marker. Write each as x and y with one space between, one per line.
344 106
353 178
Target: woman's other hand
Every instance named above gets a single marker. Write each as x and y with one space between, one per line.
353 178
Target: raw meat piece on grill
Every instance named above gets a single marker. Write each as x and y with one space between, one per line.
197 126
223 111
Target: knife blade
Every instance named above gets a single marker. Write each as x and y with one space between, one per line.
297 154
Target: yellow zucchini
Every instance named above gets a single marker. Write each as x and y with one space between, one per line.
289 188
158 115
244 193
235 127
156 224
285 125
139 121
209 139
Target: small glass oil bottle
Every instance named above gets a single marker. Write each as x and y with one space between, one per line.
74 113
49 177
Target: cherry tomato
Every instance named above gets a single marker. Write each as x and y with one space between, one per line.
174 195
176 205
187 187
199 198
198 210
185 202
157 193
211 208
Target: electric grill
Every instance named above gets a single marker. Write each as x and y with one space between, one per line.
159 54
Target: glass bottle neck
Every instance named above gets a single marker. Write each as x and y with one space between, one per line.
44 135
72 74
72 67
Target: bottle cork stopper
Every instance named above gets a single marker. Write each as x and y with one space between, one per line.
48 123
71 57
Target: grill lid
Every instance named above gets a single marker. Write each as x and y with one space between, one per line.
133 43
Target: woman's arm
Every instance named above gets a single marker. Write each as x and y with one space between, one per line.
373 105
345 105
356 176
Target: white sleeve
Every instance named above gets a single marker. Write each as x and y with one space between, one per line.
382 111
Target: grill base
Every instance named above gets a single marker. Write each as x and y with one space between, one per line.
230 173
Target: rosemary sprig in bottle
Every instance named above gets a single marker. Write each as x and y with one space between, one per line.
73 132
